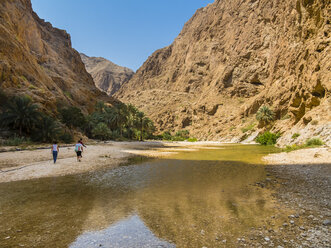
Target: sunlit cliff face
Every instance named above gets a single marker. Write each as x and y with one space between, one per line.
233 57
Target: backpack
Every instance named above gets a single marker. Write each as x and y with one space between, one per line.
77 148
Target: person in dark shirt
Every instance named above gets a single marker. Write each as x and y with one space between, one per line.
81 141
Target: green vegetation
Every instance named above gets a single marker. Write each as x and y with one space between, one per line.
295 135
265 115
267 138
20 114
15 141
72 117
21 119
248 128
66 138
313 142
101 131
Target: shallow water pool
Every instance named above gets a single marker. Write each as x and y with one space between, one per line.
192 199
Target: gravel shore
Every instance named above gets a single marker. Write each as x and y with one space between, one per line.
302 182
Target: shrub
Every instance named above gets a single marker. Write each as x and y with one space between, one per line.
73 117
248 128
183 134
67 138
15 141
101 131
314 142
293 147
46 130
166 136
267 138
295 135
192 140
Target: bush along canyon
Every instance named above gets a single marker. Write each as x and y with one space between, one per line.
235 116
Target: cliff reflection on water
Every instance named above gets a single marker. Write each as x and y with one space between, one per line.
182 202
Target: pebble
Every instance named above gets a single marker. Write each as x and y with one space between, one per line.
327 222
267 239
302 228
202 232
224 241
285 225
7 237
280 246
292 222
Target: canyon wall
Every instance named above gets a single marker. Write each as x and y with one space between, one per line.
38 60
234 56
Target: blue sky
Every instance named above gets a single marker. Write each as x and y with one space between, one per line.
123 31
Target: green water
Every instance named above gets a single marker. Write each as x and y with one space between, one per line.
184 201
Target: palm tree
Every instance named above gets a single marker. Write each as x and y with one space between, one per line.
145 124
116 116
148 125
132 112
265 115
140 119
21 114
48 129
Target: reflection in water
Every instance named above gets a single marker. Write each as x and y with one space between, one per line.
184 202
129 233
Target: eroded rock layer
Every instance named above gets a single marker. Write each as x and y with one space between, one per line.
37 59
234 56
107 76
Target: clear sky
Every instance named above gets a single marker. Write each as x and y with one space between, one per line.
123 31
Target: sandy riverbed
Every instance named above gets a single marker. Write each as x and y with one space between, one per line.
304 156
29 164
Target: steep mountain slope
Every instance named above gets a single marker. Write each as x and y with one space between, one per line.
37 59
234 56
107 76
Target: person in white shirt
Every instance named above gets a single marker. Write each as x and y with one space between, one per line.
79 150
55 151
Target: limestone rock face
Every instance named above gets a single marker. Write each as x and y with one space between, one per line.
107 76
234 56
37 59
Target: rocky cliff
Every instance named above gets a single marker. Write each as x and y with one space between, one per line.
37 59
107 76
234 56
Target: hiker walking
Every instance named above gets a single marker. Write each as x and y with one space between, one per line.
55 150
81 141
79 150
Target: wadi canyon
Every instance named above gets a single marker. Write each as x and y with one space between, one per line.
230 58
233 57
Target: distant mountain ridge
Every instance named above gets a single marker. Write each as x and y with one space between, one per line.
107 76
